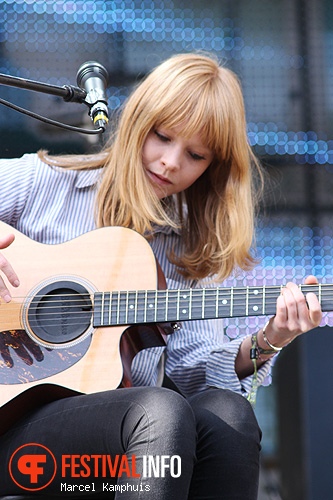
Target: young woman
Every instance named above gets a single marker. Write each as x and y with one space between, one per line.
178 170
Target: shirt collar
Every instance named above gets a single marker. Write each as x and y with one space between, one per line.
88 178
168 230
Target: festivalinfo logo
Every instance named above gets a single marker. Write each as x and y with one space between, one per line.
33 467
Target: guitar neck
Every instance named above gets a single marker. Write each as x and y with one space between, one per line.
159 306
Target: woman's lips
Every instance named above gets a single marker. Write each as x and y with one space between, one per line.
159 179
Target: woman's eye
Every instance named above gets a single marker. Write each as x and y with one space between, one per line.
162 137
195 156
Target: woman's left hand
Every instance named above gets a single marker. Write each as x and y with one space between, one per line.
296 314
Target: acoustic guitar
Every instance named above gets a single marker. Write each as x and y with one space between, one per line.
84 308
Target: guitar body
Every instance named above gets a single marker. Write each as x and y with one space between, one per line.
61 356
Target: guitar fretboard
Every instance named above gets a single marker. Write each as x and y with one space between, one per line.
159 306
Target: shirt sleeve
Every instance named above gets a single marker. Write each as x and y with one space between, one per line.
220 369
17 178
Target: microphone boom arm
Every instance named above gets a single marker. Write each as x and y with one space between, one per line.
69 93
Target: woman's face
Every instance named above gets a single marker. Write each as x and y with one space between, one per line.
171 162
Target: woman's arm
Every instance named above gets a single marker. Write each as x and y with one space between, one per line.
295 314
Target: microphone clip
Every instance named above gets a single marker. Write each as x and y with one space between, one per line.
93 78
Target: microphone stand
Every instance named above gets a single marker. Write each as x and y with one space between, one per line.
69 93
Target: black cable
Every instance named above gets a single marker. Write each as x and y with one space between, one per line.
49 121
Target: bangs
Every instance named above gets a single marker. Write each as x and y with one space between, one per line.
196 111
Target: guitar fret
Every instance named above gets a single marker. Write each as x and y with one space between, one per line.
117 310
122 308
145 308
109 309
110 302
165 304
126 308
140 317
178 299
231 302
160 306
254 305
136 307
173 306
102 309
184 312
106 308
114 308
239 302
210 303
155 317
151 306
190 304
203 304
223 303
196 308
131 307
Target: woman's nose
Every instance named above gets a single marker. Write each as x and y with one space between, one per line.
172 158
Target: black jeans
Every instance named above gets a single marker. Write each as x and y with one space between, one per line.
215 433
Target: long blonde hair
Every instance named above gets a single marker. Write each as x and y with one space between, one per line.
215 215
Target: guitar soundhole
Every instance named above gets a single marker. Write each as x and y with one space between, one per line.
60 313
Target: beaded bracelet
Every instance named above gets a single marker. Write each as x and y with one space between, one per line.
255 352
252 396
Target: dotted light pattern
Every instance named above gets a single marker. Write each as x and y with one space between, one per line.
52 26
273 139
155 22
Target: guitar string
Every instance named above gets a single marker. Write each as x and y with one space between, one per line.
252 292
76 314
206 296
123 300
129 322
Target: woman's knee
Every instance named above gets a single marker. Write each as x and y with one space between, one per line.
162 404
161 415
228 446
228 407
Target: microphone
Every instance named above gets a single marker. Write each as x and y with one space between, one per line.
93 78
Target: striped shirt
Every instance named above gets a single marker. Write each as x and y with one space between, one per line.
52 205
